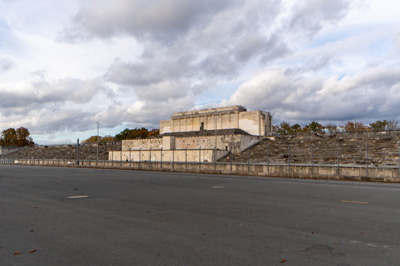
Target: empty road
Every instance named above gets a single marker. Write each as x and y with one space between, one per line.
72 216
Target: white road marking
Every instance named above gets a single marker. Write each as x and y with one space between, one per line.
334 185
372 244
217 186
78 197
352 201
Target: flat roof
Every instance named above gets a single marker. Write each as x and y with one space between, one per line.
234 108
218 132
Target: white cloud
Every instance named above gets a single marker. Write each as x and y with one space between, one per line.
65 65
34 94
142 113
6 64
160 19
397 41
309 16
367 95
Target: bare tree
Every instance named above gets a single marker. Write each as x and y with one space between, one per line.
392 124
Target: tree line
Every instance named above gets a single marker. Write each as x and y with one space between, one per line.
284 128
21 136
136 133
16 137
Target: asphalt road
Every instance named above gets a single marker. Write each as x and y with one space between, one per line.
155 218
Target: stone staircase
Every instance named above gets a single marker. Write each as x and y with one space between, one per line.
67 152
324 149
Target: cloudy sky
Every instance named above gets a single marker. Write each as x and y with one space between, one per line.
67 64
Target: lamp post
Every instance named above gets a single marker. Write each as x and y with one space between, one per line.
97 140
216 125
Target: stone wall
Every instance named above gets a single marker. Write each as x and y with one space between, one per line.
159 155
144 144
296 171
256 123
234 142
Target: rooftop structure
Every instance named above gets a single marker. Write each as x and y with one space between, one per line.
257 123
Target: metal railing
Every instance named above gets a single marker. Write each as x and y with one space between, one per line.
363 156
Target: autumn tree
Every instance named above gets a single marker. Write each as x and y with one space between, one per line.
355 126
92 139
360 127
284 128
350 127
23 137
123 134
16 137
153 133
379 125
296 128
9 137
105 139
315 126
137 133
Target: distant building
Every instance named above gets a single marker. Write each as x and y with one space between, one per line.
200 135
